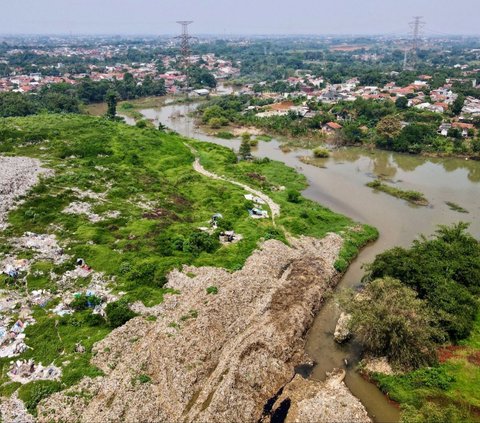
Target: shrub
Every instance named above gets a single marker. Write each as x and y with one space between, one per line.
225 135
83 301
118 313
199 242
141 123
212 290
321 153
389 320
444 270
293 196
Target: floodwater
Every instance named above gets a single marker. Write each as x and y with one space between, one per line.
339 183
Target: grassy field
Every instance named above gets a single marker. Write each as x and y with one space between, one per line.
146 177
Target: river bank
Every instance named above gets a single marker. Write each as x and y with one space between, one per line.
348 170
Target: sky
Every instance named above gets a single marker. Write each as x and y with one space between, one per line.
238 16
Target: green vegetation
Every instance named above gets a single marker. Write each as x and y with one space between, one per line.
386 124
455 207
225 135
67 98
420 305
147 177
413 197
388 319
118 313
321 153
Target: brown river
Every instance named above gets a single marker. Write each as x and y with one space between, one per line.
339 183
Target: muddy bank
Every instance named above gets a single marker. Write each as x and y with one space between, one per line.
17 176
206 356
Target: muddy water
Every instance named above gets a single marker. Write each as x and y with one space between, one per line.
339 183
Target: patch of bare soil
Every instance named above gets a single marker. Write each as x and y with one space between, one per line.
213 357
474 358
161 214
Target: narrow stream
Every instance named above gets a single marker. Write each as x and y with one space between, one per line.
339 183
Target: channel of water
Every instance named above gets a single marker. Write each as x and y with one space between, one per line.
339 183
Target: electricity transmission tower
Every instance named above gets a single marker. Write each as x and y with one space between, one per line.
185 50
417 25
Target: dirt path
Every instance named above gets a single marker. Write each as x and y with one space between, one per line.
274 207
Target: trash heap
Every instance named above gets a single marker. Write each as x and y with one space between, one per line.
45 246
12 341
24 371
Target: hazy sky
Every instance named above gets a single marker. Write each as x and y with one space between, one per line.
238 16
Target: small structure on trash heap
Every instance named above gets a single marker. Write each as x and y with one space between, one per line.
214 220
257 213
228 237
24 371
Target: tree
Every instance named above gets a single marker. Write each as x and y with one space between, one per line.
389 320
245 149
457 105
401 103
388 128
444 271
16 104
112 99
352 133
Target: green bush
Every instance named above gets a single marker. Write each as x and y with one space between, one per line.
212 290
83 301
321 153
118 313
444 271
389 320
293 196
199 242
433 413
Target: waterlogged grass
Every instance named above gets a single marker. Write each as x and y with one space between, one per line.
226 135
455 207
146 177
413 197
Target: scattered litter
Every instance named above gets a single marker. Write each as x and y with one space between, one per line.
89 193
12 342
17 176
62 310
112 214
255 199
79 348
46 246
24 371
40 297
13 266
78 207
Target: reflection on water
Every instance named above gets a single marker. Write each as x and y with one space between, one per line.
339 183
